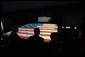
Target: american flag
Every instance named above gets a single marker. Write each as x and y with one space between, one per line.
28 30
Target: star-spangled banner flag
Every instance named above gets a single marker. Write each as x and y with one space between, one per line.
28 30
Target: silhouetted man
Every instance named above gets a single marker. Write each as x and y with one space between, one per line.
36 43
54 45
36 37
14 34
14 41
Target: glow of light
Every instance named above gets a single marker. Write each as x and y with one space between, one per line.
1 38
75 27
62 26
68 27
2 26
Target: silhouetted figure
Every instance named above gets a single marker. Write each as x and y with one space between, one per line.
1 31
14 34
14 41
71 42
67 46
36 43
54 45
78 43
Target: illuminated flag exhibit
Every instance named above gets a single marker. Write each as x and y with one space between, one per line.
28 30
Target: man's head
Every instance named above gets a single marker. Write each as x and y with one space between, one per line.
36 31
15 29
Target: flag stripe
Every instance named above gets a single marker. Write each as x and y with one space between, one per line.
33 33
40 31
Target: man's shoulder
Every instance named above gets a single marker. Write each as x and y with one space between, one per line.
41 38
31 37
13 34
36 37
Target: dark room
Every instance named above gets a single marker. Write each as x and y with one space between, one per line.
42 28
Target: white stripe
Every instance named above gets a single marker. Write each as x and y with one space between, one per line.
38 26
46 28
45 33
40 32
8 32
45 37
25 29
24 35
49 30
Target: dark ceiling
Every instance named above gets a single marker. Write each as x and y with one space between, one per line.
10 6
